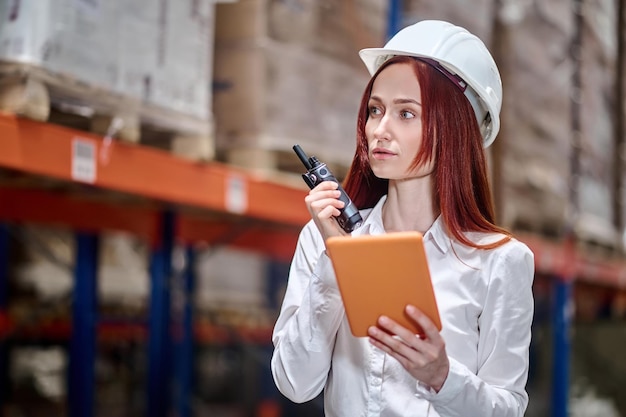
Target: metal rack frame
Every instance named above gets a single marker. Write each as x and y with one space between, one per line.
182 203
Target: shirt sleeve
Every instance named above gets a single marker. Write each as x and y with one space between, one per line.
498 389
305 331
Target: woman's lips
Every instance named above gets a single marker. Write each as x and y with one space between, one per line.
380 153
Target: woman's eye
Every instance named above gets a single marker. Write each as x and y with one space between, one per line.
375 111
405 114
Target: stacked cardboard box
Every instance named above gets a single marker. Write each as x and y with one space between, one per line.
536 117
45 267
543 109
532 45
230 284
288 72
67 37
132 53
597 195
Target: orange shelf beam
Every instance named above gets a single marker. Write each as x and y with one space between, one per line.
60 329
142 220
49 150
78 213
562 260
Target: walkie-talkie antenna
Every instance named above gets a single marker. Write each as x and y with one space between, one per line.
303 156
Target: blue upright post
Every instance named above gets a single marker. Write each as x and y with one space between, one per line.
184 371
277 273
562 315
159 341
83 340
4 264
4 298
394 17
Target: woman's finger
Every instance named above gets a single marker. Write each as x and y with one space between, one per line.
394 336
326 185
318 194
431 331
320 204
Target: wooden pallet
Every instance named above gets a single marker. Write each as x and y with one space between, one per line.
36 93
280 165
597 240
518 216
535 226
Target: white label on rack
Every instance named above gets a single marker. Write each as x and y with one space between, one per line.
236 194
84 160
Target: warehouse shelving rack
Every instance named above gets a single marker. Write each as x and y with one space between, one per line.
154 195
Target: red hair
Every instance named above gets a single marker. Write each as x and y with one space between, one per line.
451 136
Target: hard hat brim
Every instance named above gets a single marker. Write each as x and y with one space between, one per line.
373 58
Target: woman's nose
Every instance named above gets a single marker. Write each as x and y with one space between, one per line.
382 128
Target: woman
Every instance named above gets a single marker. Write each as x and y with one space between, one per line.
431 106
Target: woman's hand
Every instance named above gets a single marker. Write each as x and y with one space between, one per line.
323 203
423 357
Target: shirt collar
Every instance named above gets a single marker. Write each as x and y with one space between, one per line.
437 233
373 225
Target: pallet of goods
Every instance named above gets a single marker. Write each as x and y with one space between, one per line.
289 72
558 103
532 158
125 67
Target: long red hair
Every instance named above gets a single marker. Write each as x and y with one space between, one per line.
451 136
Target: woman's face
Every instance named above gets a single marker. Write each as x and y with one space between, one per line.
394 125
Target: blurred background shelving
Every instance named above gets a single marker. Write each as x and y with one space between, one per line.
150 201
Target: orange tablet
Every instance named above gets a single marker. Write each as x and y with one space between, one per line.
380 275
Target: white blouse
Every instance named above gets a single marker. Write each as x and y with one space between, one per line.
486 306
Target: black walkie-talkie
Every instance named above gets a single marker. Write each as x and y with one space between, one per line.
349 219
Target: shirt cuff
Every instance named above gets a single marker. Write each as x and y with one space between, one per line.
452 386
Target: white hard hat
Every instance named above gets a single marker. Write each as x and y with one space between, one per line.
456 53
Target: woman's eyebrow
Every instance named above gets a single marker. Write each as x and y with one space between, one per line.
400 100
406 101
